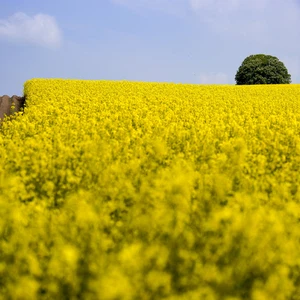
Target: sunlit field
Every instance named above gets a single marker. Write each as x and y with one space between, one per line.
134 190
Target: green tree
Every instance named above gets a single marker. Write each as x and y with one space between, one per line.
262 69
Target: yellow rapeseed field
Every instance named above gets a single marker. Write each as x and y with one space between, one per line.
132 190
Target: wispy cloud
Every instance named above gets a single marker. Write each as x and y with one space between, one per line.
268 22
213 78
40 30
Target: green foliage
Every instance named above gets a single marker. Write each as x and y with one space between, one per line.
262 69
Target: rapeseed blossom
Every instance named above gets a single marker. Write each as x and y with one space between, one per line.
135 190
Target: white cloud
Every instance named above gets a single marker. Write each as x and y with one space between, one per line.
213 78
269 22
40 29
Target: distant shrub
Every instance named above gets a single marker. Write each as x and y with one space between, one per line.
262 69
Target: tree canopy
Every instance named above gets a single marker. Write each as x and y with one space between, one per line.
262 69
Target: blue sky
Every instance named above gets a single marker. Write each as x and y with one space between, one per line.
183 41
